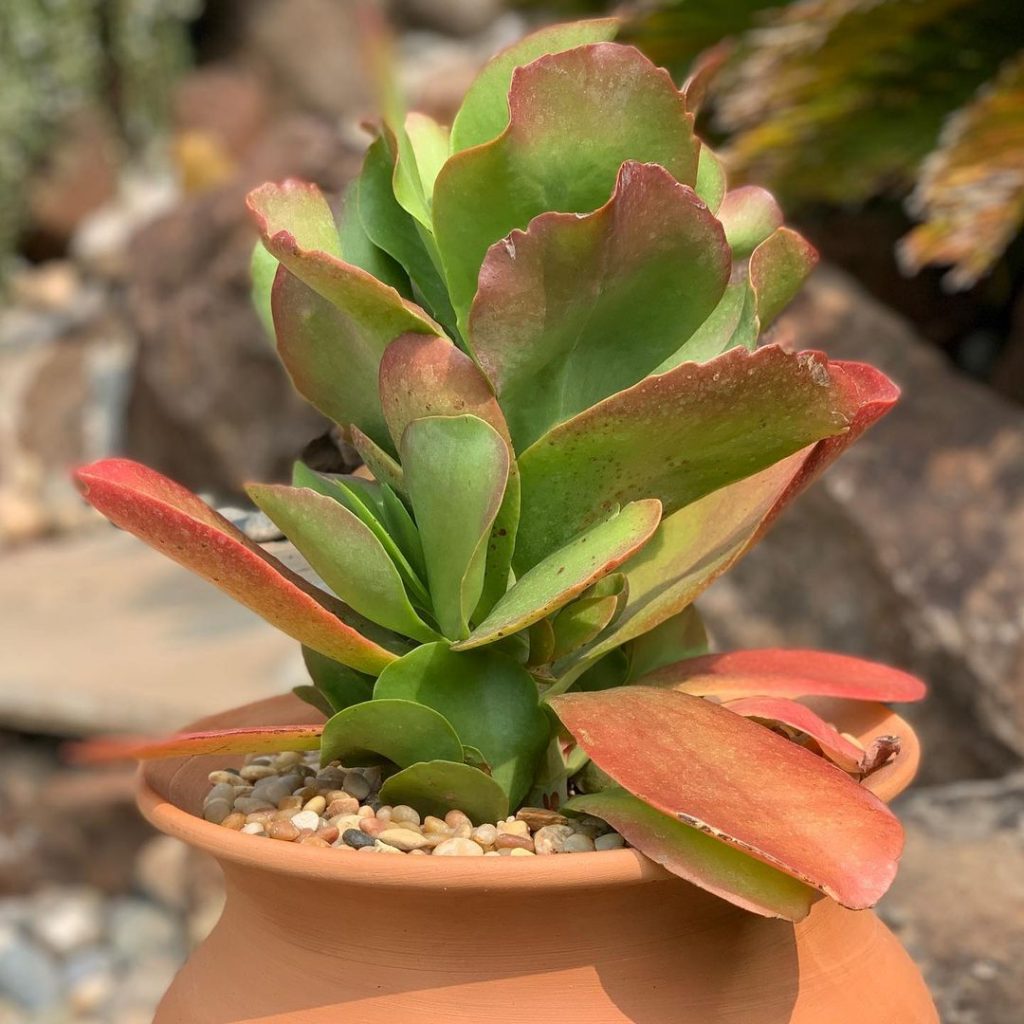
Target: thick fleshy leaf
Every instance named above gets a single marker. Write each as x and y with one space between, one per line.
380 463
703 69
437 787
363 499
429 141
455 468
360 250
314 698
422 376
560 306
678 436
396 232
778 267
262 269
333 320
298 209
575 118
711 181
749 215
567 572
741 784
178 524
483 114
579 622
341 686
399 731
682 636
344 553
402 528
610 670
490 700
695 545
542 643
699 858
800 718
731 324
266 739
787 673
428 376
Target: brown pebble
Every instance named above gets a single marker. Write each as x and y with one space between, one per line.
252 772
403 839
235 820
260 817
509 841
454 819
372 826
435 825
305 793
283 830
539 817
343 804
329 833
290 803
313 840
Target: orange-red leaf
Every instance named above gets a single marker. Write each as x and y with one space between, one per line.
742 784
178 524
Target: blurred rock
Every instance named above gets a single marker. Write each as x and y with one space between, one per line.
67 918
64 365
453 17
140 930
958 900
80 174
910 549
28 974
226 103
211 405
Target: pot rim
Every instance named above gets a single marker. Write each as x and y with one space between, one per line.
161 784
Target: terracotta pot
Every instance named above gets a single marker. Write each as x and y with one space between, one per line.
319 937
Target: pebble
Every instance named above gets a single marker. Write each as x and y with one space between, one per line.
291 798
458 848
306 819
404 839
356 838
551 838
356 785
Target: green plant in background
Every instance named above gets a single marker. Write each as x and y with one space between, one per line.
540 330
60 56
839 101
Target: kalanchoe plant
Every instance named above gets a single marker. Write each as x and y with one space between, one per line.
540 329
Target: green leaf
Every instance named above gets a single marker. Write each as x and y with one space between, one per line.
576 117
397 233
484 111
359 249
341 686
607 672
699 858
732 324
383 466
456 468
778 267
437 787
490 700
352 494
681 636
579 622
314 698
262 269
559 307
399 731
345 553
711 181
333 320
429 141
677 436
567 572
400 526
749 216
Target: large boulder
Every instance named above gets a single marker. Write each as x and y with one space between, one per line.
911 548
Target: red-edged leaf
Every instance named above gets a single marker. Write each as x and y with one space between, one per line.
836 747
252 740
778 267
749 215
742 784
178 524
699 858
787 673
423 375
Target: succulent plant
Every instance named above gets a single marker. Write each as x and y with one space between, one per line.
541 330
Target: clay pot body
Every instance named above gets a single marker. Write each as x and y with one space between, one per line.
314 936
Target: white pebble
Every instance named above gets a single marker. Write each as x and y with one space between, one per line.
306 819
254 828
609 841
578 843
401 813
458 848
